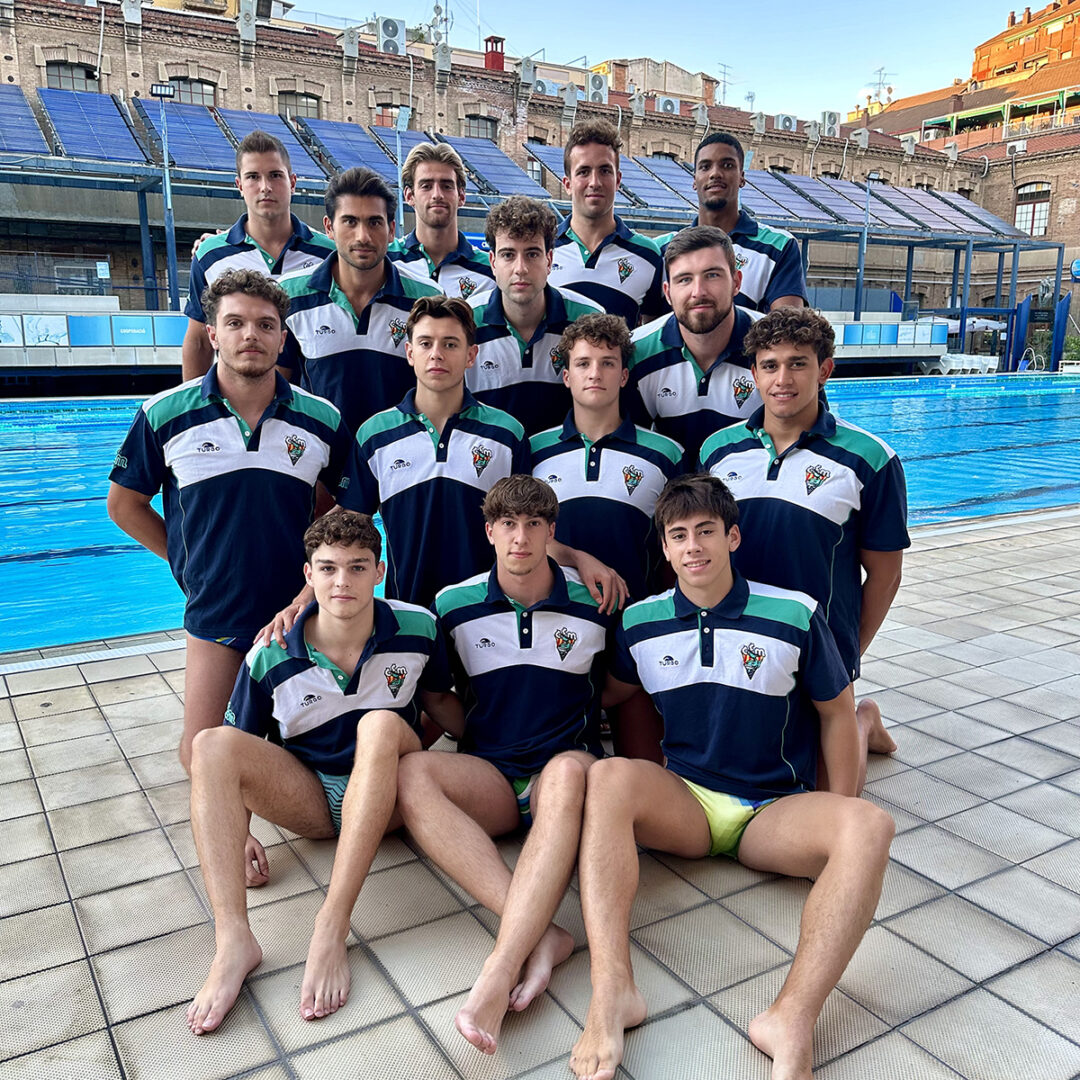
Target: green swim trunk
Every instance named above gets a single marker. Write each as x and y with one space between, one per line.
727 815
523 789
334 786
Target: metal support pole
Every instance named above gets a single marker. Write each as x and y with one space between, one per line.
1058 273
955 278
149 271
859 273
1014 269
969 253
908 272
1000 278
170 224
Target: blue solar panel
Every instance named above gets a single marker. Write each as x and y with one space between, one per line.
852 210
347 145
675 175
241 122
504 174
647 189
195 140
387 138
551 157
779 195
925 215
957 219
880 212
90 125
977 212
18 128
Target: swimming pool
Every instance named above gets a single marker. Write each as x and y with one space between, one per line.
971 447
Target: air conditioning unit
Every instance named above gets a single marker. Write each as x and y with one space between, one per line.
861 138
598 88
528 71
813 132
390 33
909 142
669 106
785 122
443 57
757 122
545 87
701 114
952 150
830 124
350 41
1017 147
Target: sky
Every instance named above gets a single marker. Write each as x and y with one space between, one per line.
796 56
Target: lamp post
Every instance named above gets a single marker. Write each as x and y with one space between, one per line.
166 92
864 238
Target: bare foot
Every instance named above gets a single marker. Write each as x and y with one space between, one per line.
234 960
551 950
878 740
599 1051
480 1019
327 978
789 1044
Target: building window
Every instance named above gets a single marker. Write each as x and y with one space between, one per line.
59 76
386 116
293 104
535 170
665 154
1033 208
925 185
826 174
479 127
779 169
966 193
193 91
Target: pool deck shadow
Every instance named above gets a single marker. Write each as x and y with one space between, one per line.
971 968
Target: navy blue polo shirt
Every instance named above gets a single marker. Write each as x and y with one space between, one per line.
607 492
524 378
430 488
768 257
301 700
806 514
735 684
668 389
532 676
354 359
235 250
624 274
236 500
464 273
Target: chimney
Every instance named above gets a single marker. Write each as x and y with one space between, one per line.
1012 20
494 56
1027 15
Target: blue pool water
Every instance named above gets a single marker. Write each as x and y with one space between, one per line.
970 447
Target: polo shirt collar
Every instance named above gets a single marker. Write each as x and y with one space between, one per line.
622 231
558 597
554 310
211 388
626 431
238 234
731 607
407 404
322 277
744 225
384 627
464 249
824 426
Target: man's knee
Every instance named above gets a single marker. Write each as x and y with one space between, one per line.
416 780
562 782
865 828
379 728
611 780
213 748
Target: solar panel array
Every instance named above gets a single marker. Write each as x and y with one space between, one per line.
19 130
502 173
387 139
551 157
648 190
879 210
840 206
346 145
979 214
761 186
671 173
195 140
957 220
902 199
88 124
240 123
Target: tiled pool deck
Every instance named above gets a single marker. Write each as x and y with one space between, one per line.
971 969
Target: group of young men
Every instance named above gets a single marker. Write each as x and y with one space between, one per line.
514 404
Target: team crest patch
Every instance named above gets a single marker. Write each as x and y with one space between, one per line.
296 447
558 360
632 476
466 286
752 656
742 388
230 716
481 457
395 678
740 260
397 331
815 477
626 268
564 641
120 462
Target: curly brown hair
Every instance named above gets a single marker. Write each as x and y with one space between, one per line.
598 329
343 528
248 282
592 131
521 217
791 326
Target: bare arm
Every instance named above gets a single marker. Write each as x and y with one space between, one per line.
883 570
445 709
603 583
196 354
840 742
132 512
615 692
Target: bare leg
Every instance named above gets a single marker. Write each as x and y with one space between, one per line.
628 802
528 945
844 843
878 739
638 729
209 676
382 738
233 773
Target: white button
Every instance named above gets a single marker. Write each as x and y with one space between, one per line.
442 446
246 432
524 629
341 678
705 613
706 630
431 431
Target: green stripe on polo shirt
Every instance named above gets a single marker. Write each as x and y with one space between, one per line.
458 596
212 243
542 440
636 239
574 309
388 420
413 288
579 593
650 344
652 610
298 283
771 237
496 418
415 623
316 407
660 443
174 403
266 659
859 442
727 436
778 609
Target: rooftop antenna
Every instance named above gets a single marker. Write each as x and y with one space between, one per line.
725 78
881 82
751 97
